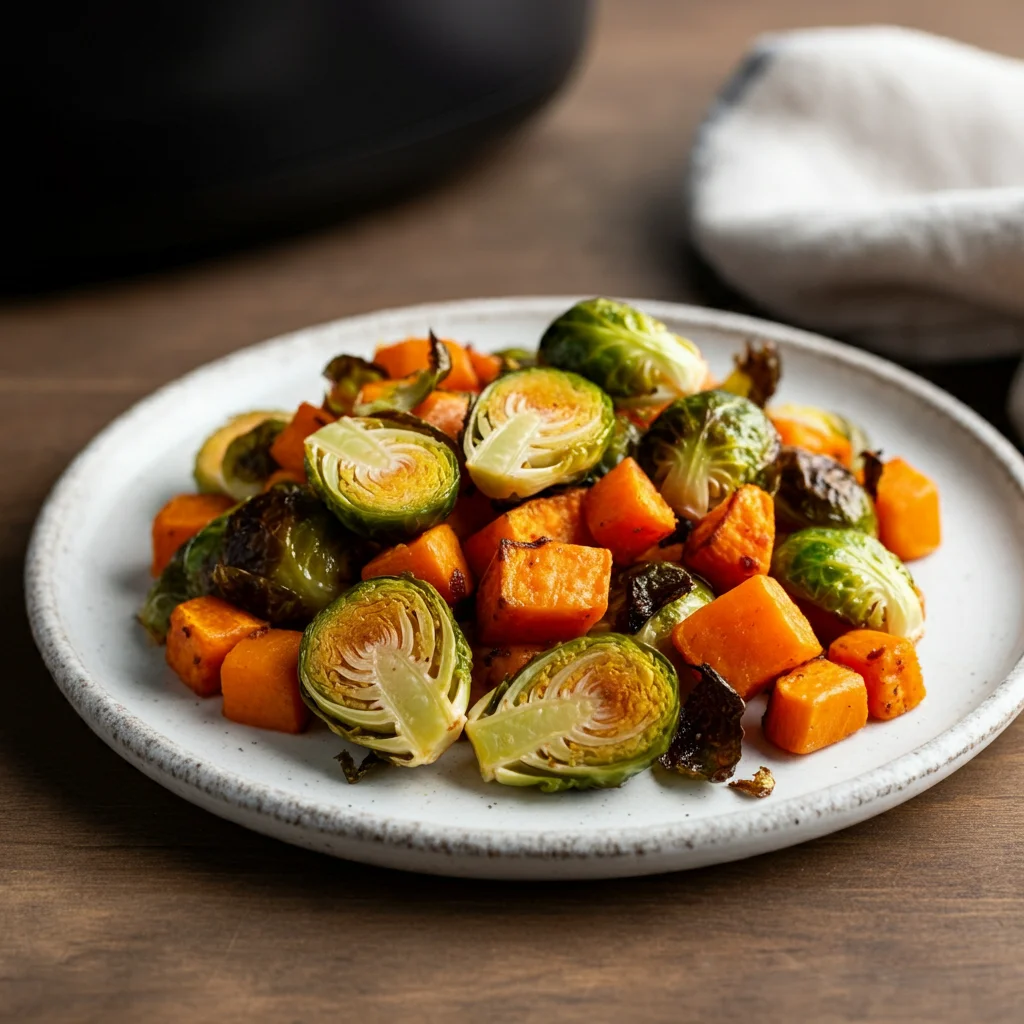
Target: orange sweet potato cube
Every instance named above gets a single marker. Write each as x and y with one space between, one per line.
260 682
542 593
751 634
202 632
289 447
181 519
434 556
889 667
907 503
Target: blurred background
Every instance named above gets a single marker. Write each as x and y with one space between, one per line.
185 179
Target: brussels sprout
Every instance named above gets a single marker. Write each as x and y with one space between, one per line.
828 423
404 395
756 374
516 359
632 356
188 574
533 429
387 667
656 632
702 448
388 479
589 713
625 438
709 737
209 467
347 375
285 557
815 490
247 463
852 575
640 590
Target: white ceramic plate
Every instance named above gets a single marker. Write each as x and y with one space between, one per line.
87 573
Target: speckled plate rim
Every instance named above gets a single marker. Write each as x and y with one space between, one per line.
498 853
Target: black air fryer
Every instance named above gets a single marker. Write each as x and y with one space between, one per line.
139 133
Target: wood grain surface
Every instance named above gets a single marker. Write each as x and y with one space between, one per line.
120 902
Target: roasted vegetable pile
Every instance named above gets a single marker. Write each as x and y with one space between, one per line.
586 559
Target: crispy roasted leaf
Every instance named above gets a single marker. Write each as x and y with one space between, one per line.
643 589
757 373
354 772
760 786
816 490
708 740
873 466
405 395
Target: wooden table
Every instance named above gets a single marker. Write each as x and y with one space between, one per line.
119 901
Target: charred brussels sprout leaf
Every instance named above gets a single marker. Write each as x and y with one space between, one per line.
347 375
189 574
851 575
387 668
708 740
702 448
534 429
633 357
405 395
623 444
589 713
643 589
285 557
211 457
757 372
815 490
760 786
247 461
873 466
354 772
657 630
384 478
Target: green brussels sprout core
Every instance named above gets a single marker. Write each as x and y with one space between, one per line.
532 429
633 357
852 575
589 713
386 667
702 448
382 479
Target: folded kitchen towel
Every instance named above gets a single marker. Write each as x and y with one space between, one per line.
869 182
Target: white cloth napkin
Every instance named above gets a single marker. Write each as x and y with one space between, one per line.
869 182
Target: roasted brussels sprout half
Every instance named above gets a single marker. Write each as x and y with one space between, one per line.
640 590
623 444
405 395
248 442
708 739
657 630
815 490
385 479
589 713
851 575
188 574
702 448
387 667
285 557
347 375
533 429
756 373
633 357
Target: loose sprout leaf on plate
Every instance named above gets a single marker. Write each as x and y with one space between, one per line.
347 376
354 772
630 355
760 786
708 739
702 448
589 713
387 667
815 490
405 395
383 479
756 374
536 428
851 575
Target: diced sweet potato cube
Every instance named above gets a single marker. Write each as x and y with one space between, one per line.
734 541
407 357
889 666
289 447
907 505
750 635
540 594
445 410
815 706
180 520
558 518
260 682
473 511
486 366
202 632
492 664
626 514
798 434
435 557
